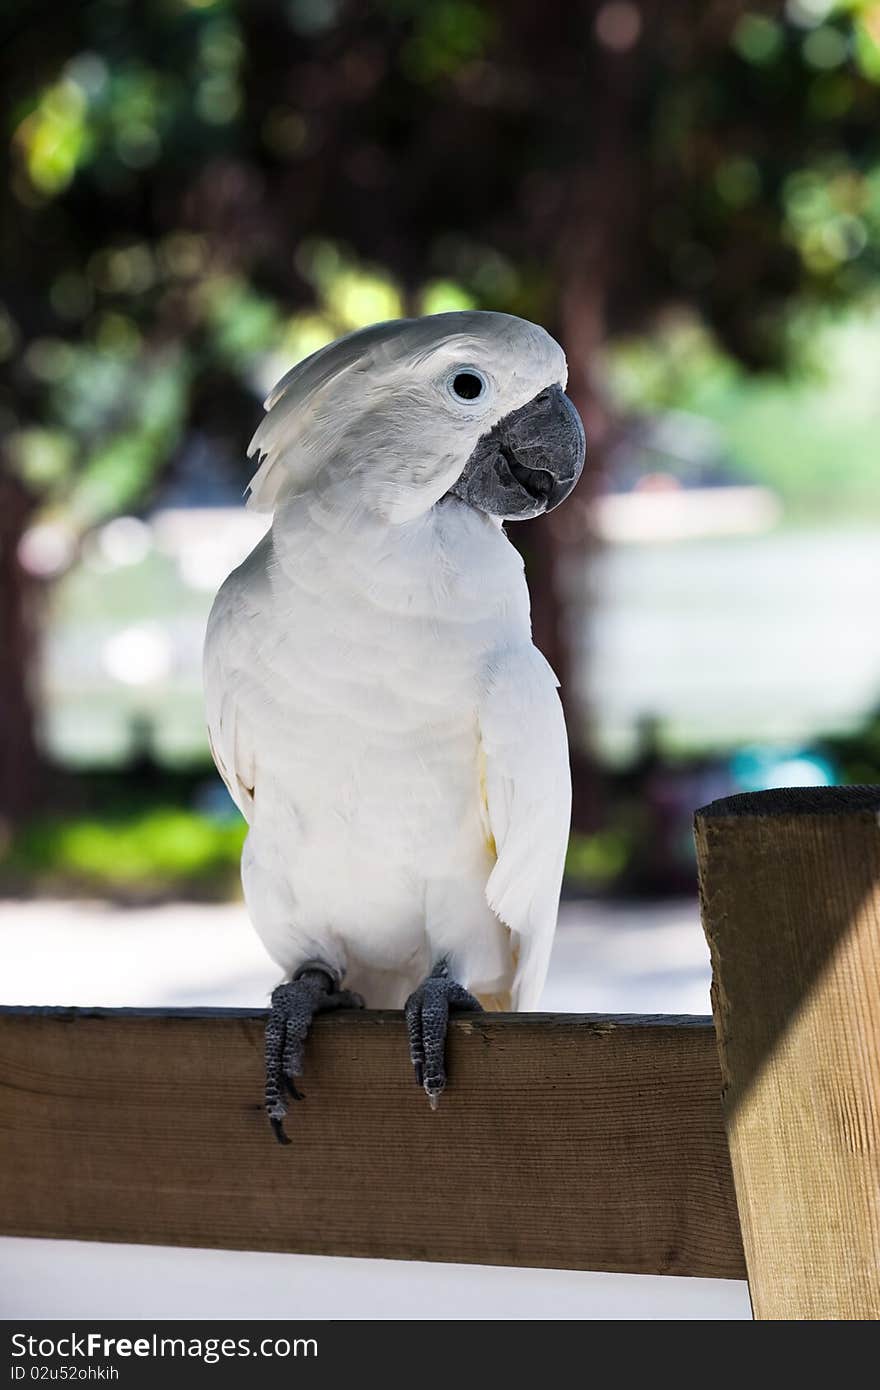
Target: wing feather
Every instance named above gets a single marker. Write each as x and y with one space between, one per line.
230 662
528 796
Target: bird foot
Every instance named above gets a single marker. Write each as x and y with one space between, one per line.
294 1004
427 1014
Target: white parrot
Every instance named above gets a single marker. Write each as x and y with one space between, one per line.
375 704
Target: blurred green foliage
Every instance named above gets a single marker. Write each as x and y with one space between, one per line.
143 854
810 433
857 753
161 851
202 191
597 862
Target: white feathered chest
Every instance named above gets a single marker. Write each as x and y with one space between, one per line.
354 674
372 656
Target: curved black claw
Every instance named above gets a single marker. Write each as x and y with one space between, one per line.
278 1131
427 1014
290 1087
294 1005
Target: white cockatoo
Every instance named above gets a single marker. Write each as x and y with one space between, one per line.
375 704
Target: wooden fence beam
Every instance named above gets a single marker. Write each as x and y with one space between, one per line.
790 889
581 1143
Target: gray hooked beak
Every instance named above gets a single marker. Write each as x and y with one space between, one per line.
529 462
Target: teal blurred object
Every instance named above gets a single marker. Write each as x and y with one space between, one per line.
758 768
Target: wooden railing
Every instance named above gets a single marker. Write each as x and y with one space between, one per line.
586 1143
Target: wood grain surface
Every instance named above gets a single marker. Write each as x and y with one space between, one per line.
568 1142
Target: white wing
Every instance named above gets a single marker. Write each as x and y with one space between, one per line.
528 806
231 666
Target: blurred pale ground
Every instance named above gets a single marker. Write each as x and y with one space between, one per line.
68 1279
608 958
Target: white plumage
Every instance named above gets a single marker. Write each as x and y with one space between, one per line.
375 704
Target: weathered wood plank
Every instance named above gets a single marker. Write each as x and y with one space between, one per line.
791 907
583 1143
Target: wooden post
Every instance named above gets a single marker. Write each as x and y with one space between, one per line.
790 893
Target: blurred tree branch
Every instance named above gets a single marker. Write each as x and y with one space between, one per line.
20 772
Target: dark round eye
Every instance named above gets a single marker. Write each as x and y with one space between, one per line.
467 386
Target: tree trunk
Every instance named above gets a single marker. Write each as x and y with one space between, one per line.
598 205
20 768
